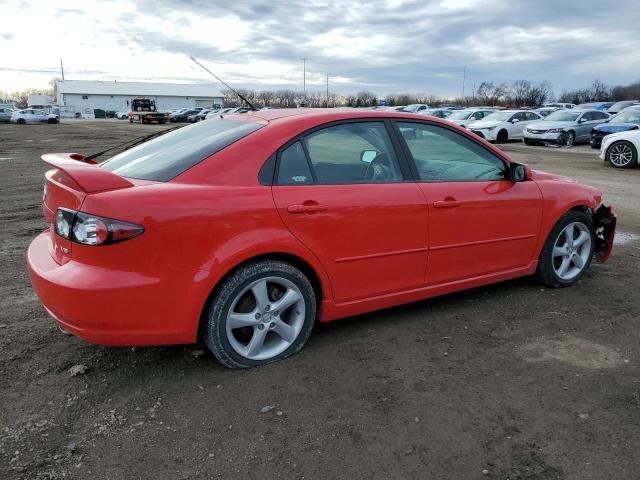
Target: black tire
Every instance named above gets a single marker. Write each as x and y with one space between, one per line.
51 121
526 141
21 121
545 273
503 137
595 147
215 335
619 164
130 119
568 138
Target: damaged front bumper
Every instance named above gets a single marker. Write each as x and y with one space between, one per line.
604 221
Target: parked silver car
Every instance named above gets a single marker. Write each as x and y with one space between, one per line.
30 115
564 127
5 114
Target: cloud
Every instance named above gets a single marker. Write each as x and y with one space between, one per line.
384 45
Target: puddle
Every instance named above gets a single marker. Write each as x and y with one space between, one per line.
573 351
622 238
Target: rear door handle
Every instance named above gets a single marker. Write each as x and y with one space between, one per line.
310 208
446 203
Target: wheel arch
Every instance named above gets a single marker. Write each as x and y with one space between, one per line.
314 272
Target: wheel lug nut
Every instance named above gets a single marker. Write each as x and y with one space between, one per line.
276 313
260 327
272 325
258 316
267 308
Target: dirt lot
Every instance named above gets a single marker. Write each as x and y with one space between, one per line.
510 381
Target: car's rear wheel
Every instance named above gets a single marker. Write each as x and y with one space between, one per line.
502 136
568 251
52 120
622 154
21 121
263 312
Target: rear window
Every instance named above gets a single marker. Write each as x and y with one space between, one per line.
167 156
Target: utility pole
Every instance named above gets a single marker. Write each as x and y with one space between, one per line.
304 77
464 78
62 70
327 89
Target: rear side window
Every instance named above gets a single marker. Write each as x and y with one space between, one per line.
294 168
167 156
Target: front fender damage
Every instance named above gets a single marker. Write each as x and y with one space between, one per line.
604 221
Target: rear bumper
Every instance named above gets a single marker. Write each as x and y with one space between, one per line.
110 307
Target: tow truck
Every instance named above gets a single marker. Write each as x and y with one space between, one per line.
143 110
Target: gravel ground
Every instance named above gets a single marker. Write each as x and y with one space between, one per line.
510 381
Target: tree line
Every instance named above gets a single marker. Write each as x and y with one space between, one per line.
521 93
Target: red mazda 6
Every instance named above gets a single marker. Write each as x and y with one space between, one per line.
244 230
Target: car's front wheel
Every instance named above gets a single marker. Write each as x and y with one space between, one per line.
263 312
568 251
21 121
622 154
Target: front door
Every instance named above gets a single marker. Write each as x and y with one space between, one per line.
342 192
480 222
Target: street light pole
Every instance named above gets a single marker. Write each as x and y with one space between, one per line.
304 77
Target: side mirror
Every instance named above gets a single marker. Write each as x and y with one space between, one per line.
514 120
367 156
518 172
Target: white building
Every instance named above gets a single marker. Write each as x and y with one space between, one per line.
85 96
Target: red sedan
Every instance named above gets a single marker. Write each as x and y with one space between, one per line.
244 230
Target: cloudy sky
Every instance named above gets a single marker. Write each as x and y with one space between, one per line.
385 46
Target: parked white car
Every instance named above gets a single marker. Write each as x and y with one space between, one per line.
30 115
415 107
504 125
560 105
621 149
469 115
122 115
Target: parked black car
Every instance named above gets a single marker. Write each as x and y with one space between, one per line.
628 119
182 116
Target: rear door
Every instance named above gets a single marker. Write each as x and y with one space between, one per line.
342 191
480 222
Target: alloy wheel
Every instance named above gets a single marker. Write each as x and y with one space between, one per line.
620 155
571 251
265 318
569 139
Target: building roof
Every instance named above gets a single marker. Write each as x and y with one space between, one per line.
94 87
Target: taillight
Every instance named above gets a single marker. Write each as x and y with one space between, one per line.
88 229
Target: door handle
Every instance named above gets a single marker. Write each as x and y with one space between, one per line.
446 203
307 208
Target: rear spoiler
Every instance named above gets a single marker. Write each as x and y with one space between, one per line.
87 175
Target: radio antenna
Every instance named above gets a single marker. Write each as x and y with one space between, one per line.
225 84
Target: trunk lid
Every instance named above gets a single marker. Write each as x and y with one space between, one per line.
67 185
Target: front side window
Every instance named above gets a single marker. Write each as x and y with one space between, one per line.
359 152
443 155
167 156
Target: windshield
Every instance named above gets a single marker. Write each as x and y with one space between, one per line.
562 116
631 115
460 115
167 156
497 116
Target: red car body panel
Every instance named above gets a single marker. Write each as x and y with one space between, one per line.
373 246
